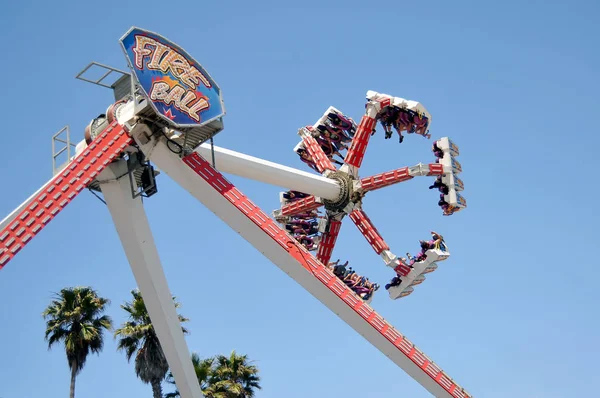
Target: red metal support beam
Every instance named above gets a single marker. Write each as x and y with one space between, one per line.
385 179
328 241
358 148
300 206
366 227
316 152
61 190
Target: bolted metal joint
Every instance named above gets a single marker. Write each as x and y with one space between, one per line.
346 184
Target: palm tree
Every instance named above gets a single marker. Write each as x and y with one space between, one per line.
75 317
233 377
137 334
203 368
223 377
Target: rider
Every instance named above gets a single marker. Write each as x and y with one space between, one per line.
388 119
343 122
443 188
443 204
437 151
405 123
421 123
423 253
371 288
437 241
406 262
304 240
306 158
338 269
329 149
294 195
396 281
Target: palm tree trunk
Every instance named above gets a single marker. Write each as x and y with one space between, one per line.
73 374
156 389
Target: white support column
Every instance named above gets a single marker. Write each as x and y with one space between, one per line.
132 226
227 161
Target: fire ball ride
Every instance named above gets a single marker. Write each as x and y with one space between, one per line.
166 110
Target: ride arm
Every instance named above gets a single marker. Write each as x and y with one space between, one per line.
396 176
366 227
328 239
8 219
60 191
207 185
372 235
299 206
240 164
358 147
313 148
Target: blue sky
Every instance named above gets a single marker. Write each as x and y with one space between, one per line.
513 312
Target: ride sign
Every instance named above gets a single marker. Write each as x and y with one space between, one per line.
179 88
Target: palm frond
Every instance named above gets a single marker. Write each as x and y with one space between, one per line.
74 317
137 337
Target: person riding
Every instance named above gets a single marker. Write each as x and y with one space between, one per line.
396 281
443 204
339 269
294 195
300 223
421 124
422 255
313 230
437 241
449 209
343 122
387 118
405 123
351 279
443 188
333 139
306 158
336 134
331 265
437 151
309 215
304 240
390 118
405 261
372 289
360 285
347 272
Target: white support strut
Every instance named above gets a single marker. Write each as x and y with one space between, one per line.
132 226
253 168
259 230
228 161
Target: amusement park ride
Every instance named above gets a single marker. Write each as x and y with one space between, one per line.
164 113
